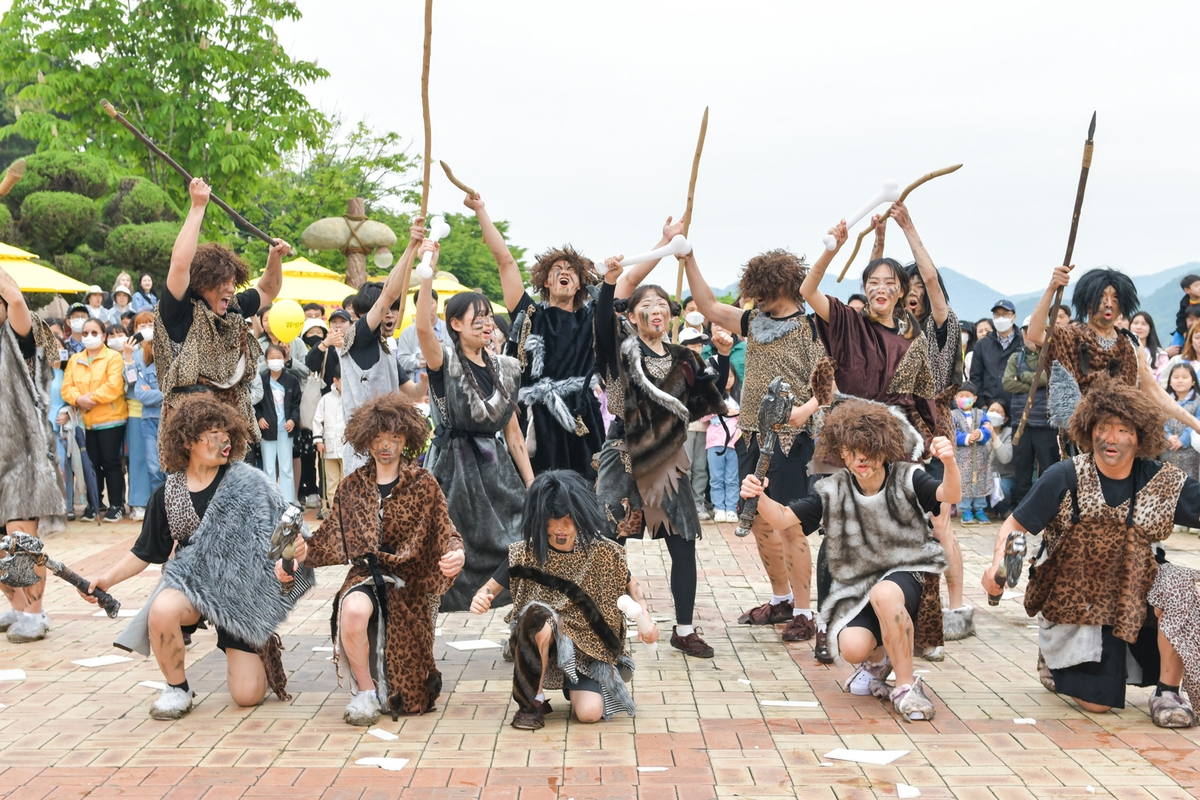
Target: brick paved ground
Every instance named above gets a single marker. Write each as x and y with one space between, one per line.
70 731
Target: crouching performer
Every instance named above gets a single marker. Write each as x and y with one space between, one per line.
566 579
1098 574
217 514
389 522
880 604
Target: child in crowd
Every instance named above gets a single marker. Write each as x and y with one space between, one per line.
1181 383
1000 452
278 418
1190 300
722 437
329 436
973 432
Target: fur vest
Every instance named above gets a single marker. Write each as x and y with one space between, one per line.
29 484
658 410
1077 359
868 538
225 571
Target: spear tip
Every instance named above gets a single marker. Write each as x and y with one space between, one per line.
1092 128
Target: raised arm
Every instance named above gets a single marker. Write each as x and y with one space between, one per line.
728 317
272 278
938 306
810 289
879 223
632 277
19 317
394 286
510 274
951 489
431 348
1036 334
179 275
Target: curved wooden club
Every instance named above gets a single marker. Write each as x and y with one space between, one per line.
446 167
926 177
687 214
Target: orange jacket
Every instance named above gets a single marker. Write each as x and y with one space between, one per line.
101 377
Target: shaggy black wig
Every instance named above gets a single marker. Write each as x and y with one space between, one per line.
1090 291
557 494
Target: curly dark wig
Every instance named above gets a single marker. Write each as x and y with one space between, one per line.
389 413
213 265
1090 290
775 273
584 269
863 427
1108 398
186 425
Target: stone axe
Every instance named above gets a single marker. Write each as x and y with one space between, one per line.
25 553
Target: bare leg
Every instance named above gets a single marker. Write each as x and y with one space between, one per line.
771 551
354 617
1170 671
944 532
798 559
897 628
171 611
587 706
246 677
543 638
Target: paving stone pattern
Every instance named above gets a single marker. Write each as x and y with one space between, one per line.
69 732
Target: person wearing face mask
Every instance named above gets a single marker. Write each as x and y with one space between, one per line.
993 351
279 420
76 316
973 432
553 338
145 406
644 466
29 490
94 382
1000 453
475 394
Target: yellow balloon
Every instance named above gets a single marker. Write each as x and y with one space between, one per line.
286 319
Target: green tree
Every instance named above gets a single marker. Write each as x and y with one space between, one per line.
205 79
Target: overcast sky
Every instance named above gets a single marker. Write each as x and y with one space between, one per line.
577 121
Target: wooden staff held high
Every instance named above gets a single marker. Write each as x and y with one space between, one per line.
687 214
428 162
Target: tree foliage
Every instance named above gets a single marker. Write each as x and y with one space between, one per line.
138 201
62 171
55 222
206 80
143 248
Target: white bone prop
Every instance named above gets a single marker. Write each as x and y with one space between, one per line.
889 193
438 230
678 247
629 607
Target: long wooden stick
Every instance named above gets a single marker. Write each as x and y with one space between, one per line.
926 177
238 219
428 146
1044 361
687 214
470 192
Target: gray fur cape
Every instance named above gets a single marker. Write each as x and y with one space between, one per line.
225 571
29 485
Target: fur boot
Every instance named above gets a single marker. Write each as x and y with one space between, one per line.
958 623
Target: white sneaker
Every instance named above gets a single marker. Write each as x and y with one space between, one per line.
363 709
172 704
138 514
719 516
28 628
9 618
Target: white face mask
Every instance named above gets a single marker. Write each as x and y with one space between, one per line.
147 333
77 325
91 341
116 342
996 419
275 365
1003 324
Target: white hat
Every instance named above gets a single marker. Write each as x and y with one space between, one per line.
309 324
93 290
121 288
1025 324
690 335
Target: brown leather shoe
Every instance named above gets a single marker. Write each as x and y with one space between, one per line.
821 648
767 614
528 720
691 645
800 628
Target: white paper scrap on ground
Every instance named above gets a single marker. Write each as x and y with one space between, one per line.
1009 594
904 790
124 612
380 733
392 764
824 763
1091 789
743 680
791 703
1025 720
473 644
102 661
880 758
652 769
161 687
322 649
12 674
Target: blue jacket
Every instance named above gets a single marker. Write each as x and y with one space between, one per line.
141 383
57 403
140 304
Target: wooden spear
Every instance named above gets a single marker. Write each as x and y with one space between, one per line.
687 214
1044 361
428 162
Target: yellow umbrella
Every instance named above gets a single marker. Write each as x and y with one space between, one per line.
306 282
36 278
8 251
446 286
302 266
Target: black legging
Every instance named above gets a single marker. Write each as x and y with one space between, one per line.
104 448
683 577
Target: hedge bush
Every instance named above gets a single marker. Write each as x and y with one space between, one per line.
62 171
56 222
138 201
143 248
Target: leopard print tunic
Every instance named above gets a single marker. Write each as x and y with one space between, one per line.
779 347
1104 569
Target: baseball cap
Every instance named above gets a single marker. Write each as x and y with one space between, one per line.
691 335
341 314
1028 319
1005 304
78 307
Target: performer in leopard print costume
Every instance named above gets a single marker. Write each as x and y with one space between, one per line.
1103 514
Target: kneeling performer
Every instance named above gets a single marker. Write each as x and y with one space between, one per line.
566 579
880 547
389 521
217 514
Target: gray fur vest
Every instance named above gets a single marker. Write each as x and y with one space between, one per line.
29 484
868 538
224 570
